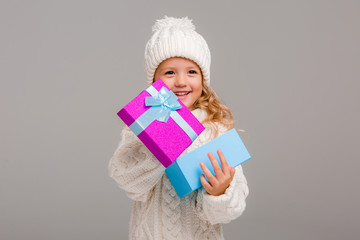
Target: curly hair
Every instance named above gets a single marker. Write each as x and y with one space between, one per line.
216 110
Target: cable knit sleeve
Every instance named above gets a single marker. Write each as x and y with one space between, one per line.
134 167
228 206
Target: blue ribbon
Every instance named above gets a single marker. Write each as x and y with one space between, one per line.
163 105
166 101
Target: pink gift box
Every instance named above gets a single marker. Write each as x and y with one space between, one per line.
166 140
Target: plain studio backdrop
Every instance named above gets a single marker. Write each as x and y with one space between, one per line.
288 70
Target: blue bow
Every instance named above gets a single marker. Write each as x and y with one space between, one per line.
166 100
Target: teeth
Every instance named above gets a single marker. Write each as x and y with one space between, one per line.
181 94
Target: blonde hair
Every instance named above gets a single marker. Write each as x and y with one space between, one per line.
216 110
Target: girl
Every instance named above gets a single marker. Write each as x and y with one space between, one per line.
178 55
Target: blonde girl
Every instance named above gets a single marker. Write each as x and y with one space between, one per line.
180 56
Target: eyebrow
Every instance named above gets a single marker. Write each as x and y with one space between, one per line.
168 68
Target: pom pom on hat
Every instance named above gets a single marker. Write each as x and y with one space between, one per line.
173 22
176 37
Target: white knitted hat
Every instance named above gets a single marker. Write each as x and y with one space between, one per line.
176 37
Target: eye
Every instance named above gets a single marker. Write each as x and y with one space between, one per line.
192 72
169 72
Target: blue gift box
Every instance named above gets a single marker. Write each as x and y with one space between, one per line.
185 172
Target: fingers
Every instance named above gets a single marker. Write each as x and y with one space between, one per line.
205 184
208 174
215 164
217 185
225 166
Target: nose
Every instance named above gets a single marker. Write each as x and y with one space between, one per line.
181 80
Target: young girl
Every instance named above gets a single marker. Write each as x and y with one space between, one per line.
178 55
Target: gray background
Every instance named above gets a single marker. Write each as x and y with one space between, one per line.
289 70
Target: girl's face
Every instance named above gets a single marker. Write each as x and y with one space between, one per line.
183 77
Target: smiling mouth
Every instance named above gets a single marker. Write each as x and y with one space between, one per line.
182 93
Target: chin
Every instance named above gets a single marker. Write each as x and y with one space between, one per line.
189 106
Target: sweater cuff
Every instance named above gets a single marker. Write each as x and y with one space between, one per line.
231 204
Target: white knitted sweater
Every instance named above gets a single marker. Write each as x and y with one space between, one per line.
158 213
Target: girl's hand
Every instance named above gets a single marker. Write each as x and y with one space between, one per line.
220 182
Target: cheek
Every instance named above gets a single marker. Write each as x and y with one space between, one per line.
198 92
168 83
197 87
